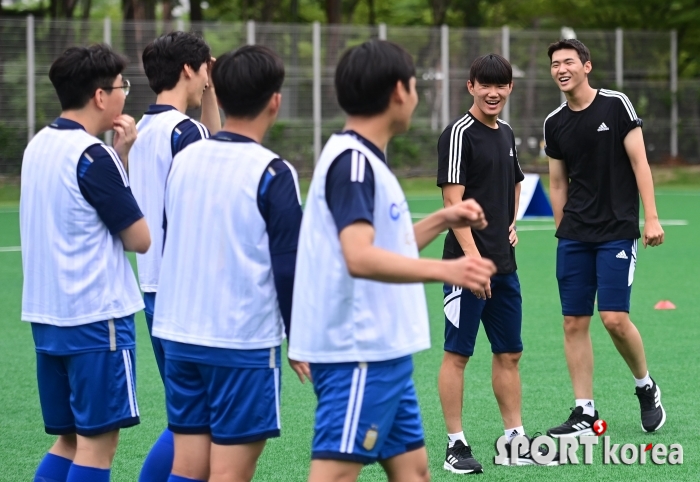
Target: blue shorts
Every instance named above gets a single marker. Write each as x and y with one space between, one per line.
149 299
366 411
235 405
586 268
502 315
87 393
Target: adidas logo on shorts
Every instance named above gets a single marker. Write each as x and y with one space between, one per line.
603 127
621 255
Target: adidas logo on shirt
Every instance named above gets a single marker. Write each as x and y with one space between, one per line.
511 152
621 255
603 127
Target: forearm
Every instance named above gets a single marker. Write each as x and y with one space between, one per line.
465 237
645 184
379 264
210 111
283 269
518 187
428 229
558 196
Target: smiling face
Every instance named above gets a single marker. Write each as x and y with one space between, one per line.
489 98
568 71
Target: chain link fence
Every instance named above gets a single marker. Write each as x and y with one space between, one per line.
641 64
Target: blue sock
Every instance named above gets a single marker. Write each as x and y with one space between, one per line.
178 478
159 461
80 473
53 468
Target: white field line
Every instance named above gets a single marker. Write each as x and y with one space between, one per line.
10 249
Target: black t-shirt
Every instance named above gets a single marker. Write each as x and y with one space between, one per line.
603 198
485 162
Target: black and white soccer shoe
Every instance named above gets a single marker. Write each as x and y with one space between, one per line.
653 413
578 424
525 457
459 460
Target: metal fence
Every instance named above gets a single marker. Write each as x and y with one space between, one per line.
642 64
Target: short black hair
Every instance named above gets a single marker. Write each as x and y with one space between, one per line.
246 79
583 53
491 69
165 57
367 75
80 71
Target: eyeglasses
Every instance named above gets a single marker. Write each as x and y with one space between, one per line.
126 87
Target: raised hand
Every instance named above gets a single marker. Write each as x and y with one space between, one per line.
465 214
124 135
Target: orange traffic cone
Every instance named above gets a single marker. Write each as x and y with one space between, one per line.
664 305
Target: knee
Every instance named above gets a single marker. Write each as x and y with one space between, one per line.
455 360
614 321
507 360
576 325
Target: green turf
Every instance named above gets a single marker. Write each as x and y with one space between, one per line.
671 337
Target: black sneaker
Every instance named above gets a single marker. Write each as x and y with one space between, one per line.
525 458
653 413
459 460
578 424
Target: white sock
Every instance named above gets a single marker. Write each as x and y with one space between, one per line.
511 433
587 405
642 382
456 436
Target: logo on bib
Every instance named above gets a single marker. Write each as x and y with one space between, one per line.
395 210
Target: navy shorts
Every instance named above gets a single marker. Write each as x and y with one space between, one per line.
149 299
366 411
502 315
586 268
235 405
87 393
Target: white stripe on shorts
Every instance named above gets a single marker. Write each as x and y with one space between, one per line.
349 411
358 406
129 384
633 263
277 397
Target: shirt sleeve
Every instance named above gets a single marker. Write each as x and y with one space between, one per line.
104 184
627 118
519 176
187 132
452 167
350 189
551 148
280 206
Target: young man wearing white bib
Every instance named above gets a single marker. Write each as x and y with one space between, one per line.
359 310
225 289
77 219
177 65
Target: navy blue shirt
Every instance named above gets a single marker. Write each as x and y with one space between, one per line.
185 133
350 185
103 184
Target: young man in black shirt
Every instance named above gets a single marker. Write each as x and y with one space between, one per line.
477 159
598 170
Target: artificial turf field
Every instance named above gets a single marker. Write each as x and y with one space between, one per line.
671 340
